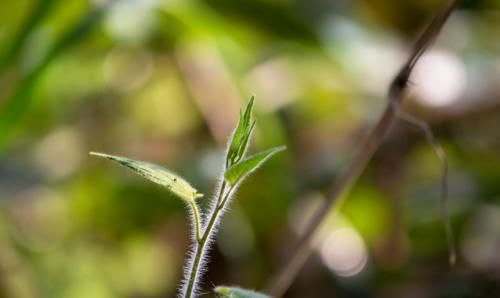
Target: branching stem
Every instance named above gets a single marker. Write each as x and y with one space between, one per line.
201 245
368 145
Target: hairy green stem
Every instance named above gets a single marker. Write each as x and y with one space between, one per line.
196 216
201 242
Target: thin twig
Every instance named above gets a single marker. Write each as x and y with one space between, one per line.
438 149
365 152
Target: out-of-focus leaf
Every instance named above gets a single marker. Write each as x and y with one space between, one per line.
281 19
235 292
18 103
243 168
157 174
40 10
241 135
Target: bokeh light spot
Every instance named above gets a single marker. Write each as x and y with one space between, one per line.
344 252
439 78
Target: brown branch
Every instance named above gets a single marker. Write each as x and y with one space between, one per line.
366 149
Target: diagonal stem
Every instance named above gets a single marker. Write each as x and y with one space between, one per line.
369 144
341 186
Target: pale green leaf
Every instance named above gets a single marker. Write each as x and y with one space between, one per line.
234 292
157 174
243 168
239 139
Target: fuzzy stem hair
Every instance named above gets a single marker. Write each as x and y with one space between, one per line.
197 259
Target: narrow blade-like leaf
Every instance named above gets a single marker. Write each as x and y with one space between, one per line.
248 111
239 138
244 142
158 175
234 292
233 145
243 168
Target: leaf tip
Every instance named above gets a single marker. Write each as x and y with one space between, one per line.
98 154
248 110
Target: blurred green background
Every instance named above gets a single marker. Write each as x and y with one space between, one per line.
162 80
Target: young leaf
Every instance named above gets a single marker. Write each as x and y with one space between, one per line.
157 174
243 168
244 142
239 139
234 292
